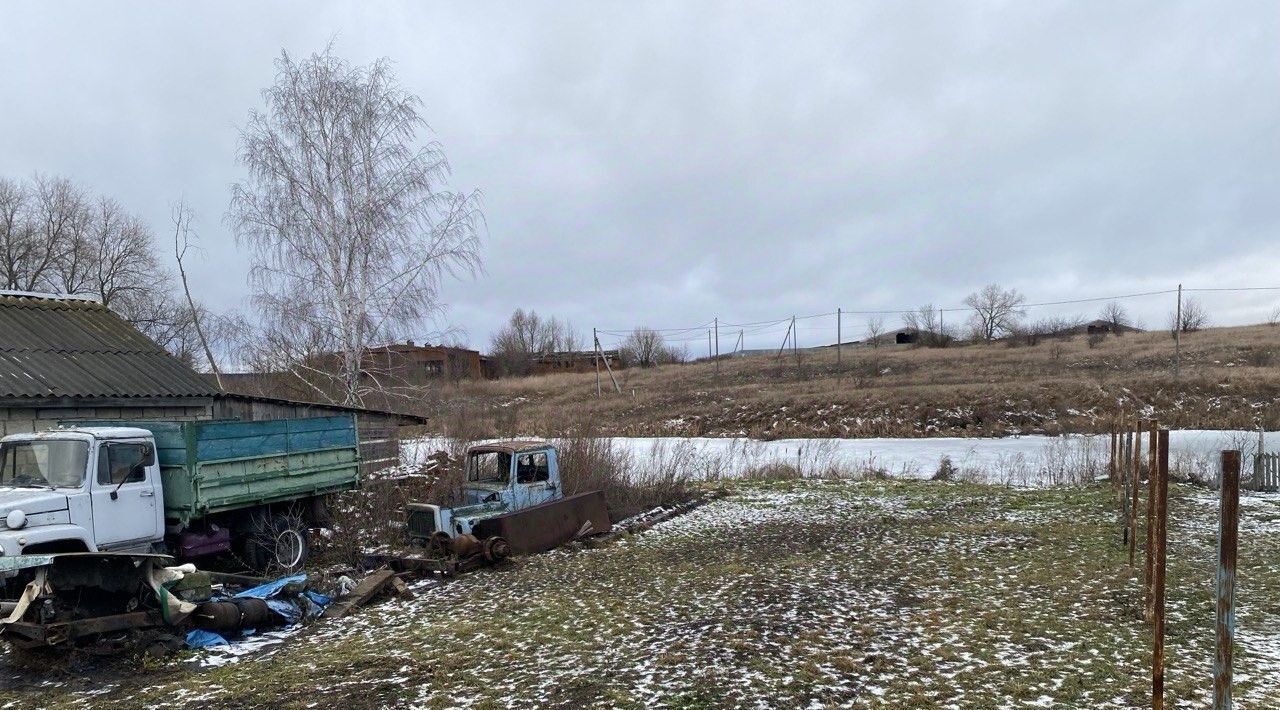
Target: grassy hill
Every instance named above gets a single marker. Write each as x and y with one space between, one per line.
1229 378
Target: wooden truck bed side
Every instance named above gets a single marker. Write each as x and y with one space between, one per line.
217 466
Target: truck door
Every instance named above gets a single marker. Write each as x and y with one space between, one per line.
126 507
533 479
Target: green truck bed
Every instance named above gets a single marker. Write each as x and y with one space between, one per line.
216 466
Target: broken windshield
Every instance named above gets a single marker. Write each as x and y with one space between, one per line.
49 463
490 467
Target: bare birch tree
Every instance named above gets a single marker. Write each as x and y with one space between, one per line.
347 214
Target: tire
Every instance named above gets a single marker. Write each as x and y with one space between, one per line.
278 544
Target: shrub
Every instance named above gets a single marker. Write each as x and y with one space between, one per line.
946 470
589 462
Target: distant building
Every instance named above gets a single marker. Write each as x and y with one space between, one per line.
574 361
407 363
1095 327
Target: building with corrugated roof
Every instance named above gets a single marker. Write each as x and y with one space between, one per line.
73 358
66 358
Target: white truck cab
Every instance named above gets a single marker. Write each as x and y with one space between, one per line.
90 489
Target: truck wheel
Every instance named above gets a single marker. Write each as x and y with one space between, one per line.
279 544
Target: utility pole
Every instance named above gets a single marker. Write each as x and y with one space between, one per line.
716 320
600 351
839 344
595 339
740 344
795 346
782 348
1177 337
708 343
942 330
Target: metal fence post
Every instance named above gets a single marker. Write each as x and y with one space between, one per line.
1225 624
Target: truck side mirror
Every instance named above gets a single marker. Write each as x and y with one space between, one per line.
148 455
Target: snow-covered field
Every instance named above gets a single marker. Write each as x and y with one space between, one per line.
1023 460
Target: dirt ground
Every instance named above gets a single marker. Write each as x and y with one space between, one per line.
788 594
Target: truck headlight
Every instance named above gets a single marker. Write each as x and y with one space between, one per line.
16 519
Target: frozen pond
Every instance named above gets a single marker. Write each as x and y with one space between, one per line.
1022 460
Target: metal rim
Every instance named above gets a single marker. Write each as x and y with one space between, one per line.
289 548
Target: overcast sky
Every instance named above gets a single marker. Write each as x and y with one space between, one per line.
662 164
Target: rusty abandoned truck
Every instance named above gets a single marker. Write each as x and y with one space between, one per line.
514 504
187 489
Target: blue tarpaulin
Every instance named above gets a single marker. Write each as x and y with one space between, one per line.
306 605
199 638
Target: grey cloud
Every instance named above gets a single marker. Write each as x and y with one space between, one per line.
663 163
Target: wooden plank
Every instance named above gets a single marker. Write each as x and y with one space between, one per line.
367 589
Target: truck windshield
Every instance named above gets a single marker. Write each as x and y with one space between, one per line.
490 467
43 463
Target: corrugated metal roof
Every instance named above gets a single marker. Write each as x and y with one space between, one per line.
51 347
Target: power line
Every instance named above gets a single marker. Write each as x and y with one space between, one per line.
765 327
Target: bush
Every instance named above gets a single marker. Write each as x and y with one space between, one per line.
946 470
589 463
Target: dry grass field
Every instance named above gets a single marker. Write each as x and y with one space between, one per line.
884 594
1229 378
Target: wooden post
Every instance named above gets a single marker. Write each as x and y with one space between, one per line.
608 369
717 322
1111 467
783 347
1152 454
795 345
1134 484
1162 520
1256 482
595 339
839 341
1228 521
1177 337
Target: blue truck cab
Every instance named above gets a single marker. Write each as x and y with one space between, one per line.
500 477
514 503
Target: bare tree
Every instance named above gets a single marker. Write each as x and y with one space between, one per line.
995 310
347 215
17 234
59 218
646 347
113 258
1032 333
875 329
526 336
1115 316
1194 317
182 216
927 322
1274 319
